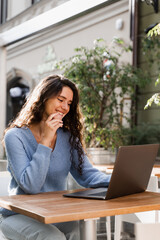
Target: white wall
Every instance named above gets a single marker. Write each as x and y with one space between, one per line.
28 54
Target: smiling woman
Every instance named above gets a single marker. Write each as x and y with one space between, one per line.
43 145
59 104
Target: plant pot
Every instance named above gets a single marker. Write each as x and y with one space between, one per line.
100 156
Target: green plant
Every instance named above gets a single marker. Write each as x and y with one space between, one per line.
152 47
145 134
105 82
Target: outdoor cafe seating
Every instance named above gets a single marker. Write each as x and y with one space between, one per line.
147 225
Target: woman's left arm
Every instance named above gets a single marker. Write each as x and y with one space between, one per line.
91 177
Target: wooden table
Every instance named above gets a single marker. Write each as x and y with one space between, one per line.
109 169
156 170
52 207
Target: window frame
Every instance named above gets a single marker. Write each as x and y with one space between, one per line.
34 1
3 11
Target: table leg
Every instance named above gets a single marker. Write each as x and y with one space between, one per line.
88 229
118 226
108 227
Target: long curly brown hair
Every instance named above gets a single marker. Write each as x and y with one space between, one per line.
33 109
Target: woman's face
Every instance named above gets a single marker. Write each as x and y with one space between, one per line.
61 103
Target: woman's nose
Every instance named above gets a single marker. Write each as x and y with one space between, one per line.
65 106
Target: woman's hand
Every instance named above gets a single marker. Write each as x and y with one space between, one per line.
53 122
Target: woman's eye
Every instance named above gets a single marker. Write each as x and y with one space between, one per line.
60 100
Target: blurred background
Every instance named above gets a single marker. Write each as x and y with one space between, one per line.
36 34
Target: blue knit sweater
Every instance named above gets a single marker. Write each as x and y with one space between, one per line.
36 168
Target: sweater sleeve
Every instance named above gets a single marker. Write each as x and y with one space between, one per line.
28 171
91 177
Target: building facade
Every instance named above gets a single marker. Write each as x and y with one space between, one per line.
32 58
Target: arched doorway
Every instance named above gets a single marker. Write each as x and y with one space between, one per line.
17 90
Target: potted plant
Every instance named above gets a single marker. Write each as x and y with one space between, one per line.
106 86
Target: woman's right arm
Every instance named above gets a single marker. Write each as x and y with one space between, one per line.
28 171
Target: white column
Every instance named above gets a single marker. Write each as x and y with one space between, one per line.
3 84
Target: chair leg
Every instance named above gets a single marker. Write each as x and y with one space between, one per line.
108 227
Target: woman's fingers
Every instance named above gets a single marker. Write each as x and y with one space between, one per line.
50 128
56 115
52 116
54 123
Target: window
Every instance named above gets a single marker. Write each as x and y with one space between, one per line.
35 1
3 11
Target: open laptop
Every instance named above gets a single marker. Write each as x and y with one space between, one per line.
131 173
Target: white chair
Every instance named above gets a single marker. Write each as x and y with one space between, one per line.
147 231
4 182
142 217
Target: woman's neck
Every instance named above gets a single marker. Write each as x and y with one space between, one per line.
37 130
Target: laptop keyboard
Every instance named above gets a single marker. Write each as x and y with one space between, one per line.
103 194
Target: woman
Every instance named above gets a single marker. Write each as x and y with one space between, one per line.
43 144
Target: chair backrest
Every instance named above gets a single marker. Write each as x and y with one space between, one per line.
153 184
5 178
147 231
4 182
72 184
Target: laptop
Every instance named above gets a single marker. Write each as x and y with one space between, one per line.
131 173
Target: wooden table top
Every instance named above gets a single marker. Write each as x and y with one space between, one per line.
109 169
52 207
